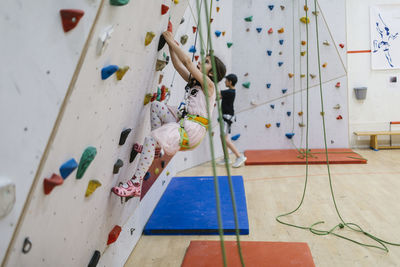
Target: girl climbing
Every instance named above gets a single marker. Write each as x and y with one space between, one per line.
175 130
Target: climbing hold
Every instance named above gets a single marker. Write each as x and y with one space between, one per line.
315 13
268 85
169 27
136 148
184 39
305 8
313 76
253 102
284 91
270 31
149 37
68 167
282 7
303 53
95 259
147 99
196 57
290 75
49 184
269 52
119 2
282 103
117 166
168 173
157 171
121 72
337 106
289 113
70 18
322 113
339 117
146 176
246 74
92 186
289 135
7 196
301 125
271 7
162 164
194 29
305 20
108 71
218 33
281 30
211 20
192 49
124 135
281 42
217 8
272 106
341 45
258 30
280 64
300 113
326 42
248 19
86 158
161 43
235 137
248 29
176 2
341 226
160 64
223 33
278 124
280 53
337 85
113 235
229 44
104 37
268 125
164 9
246 85
324 65
303 42
302 75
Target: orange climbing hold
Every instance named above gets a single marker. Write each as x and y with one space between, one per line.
223 33
169 28
290 75
303 42
217 8
70 18
324 65
268 125
49 184
164 9
281 30
114 234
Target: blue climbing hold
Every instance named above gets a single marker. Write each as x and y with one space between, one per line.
268 85
289 135
281 42
108 71
147 176
218 33
284 91
269 52
278 124
271 7
272 106
68 167
192 49
235 137
289 113
280 64
259 30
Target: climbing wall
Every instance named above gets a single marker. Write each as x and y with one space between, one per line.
71 113
270 61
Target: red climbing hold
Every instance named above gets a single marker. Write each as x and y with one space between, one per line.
70 18
194 29
341 45
196 58
169 28
164 9
113 235
163 92
339 117
270 31
49 184
337 85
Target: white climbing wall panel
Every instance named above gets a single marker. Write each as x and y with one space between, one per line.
39 61
252 63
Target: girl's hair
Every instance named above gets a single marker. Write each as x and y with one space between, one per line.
220 68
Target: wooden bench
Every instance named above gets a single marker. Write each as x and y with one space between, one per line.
374 138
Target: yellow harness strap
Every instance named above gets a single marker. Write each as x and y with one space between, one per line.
184 142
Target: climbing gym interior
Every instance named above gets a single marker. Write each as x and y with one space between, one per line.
100 101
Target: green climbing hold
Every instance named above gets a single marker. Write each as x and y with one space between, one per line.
86 158
229 44
246 85
119 2
249 18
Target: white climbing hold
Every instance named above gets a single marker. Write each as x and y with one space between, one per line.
103 40
7 196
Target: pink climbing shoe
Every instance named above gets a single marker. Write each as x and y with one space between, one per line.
129 189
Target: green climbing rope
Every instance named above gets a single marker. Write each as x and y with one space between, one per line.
352 226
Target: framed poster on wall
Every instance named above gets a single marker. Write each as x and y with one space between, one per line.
385 37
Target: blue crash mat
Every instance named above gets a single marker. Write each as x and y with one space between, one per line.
188 207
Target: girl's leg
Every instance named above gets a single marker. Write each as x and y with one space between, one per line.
133 187
159 115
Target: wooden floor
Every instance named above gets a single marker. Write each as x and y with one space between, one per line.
368 195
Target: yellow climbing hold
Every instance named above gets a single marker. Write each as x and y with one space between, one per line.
167 173
149 38
156 171
302 76
147 99
92 186
303 53
305 20
305 8
121 72
176 2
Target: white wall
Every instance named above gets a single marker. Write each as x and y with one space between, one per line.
381 105
250 56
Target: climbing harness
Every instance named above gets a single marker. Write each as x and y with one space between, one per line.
184 142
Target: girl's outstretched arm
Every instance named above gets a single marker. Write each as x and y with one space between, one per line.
180 68
187 63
